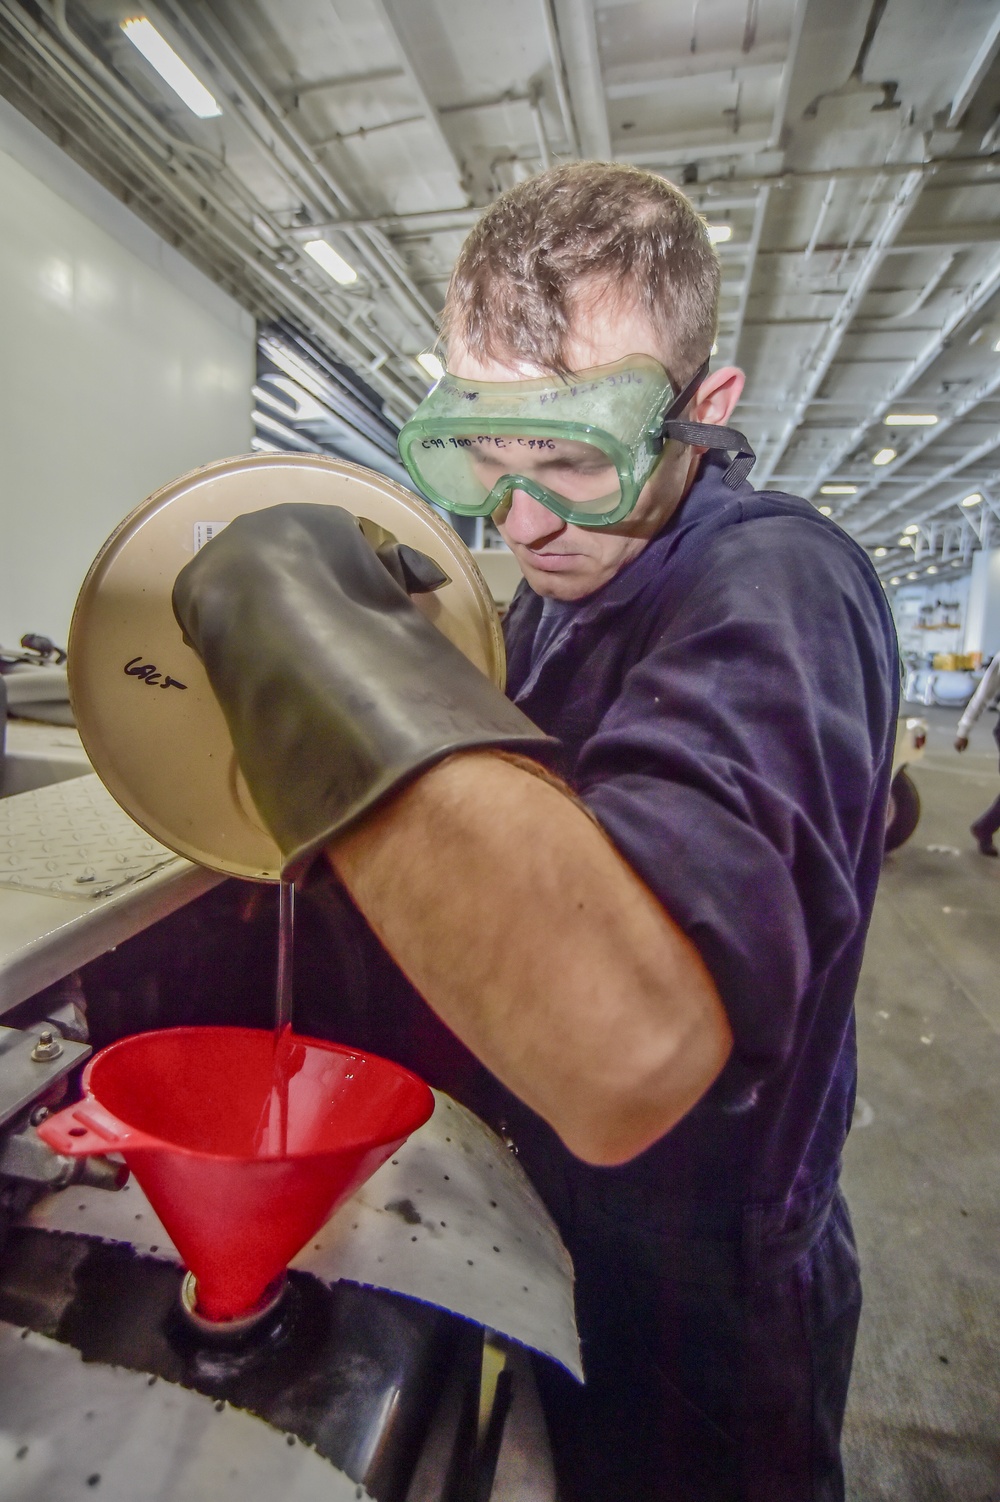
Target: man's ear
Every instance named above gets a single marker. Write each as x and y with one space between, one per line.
716 397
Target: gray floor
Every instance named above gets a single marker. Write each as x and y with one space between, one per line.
923 1163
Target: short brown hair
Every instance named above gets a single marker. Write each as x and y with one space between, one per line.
539 246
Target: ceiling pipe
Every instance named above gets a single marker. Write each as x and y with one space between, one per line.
255 258
831 188
753 248
270 124
978 295
792 176
544 150
902 204
977 71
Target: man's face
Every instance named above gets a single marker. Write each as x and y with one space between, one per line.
568 562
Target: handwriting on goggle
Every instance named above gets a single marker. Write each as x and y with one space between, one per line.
487 441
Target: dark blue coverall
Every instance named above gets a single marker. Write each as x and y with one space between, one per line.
726 708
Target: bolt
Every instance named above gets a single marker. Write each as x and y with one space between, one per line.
39 1114
46 1048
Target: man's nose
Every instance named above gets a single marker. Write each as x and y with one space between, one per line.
529 522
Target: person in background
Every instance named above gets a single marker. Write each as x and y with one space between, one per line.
986 826
627 902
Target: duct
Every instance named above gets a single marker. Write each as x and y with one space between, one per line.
938 478
905 197
975 299
575 20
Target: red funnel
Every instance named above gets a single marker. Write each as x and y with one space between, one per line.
243 1150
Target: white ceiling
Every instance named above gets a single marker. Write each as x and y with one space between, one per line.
852 145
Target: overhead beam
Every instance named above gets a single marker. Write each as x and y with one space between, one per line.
577 34
940 477
902 204
388 12
977 70
975 298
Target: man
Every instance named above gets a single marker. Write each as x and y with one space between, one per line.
651 944
985 827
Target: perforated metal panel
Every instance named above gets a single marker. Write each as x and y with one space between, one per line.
451 1219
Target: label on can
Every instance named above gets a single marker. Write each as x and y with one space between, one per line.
204 532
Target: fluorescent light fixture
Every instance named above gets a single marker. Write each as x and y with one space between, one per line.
973 499
720 233
838 490
910 419
894 581
905 542
175 73
884 456
825 510
912 576
911 530
430 363
881 552
932 569
334 265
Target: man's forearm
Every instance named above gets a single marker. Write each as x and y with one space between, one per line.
527 933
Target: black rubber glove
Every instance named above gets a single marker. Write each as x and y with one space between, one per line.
335 688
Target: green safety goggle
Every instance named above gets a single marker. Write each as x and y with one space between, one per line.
583 446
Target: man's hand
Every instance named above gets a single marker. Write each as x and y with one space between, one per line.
335 688
961 742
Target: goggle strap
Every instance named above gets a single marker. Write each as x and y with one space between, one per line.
684 397
729 440
708 435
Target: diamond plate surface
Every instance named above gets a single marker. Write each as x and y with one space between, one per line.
72 840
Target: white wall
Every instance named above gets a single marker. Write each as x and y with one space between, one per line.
121 366
982 631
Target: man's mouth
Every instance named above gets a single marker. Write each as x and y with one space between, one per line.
549 561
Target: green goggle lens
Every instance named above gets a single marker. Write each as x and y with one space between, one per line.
584 447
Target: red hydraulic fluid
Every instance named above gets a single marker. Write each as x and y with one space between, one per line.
243 1146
